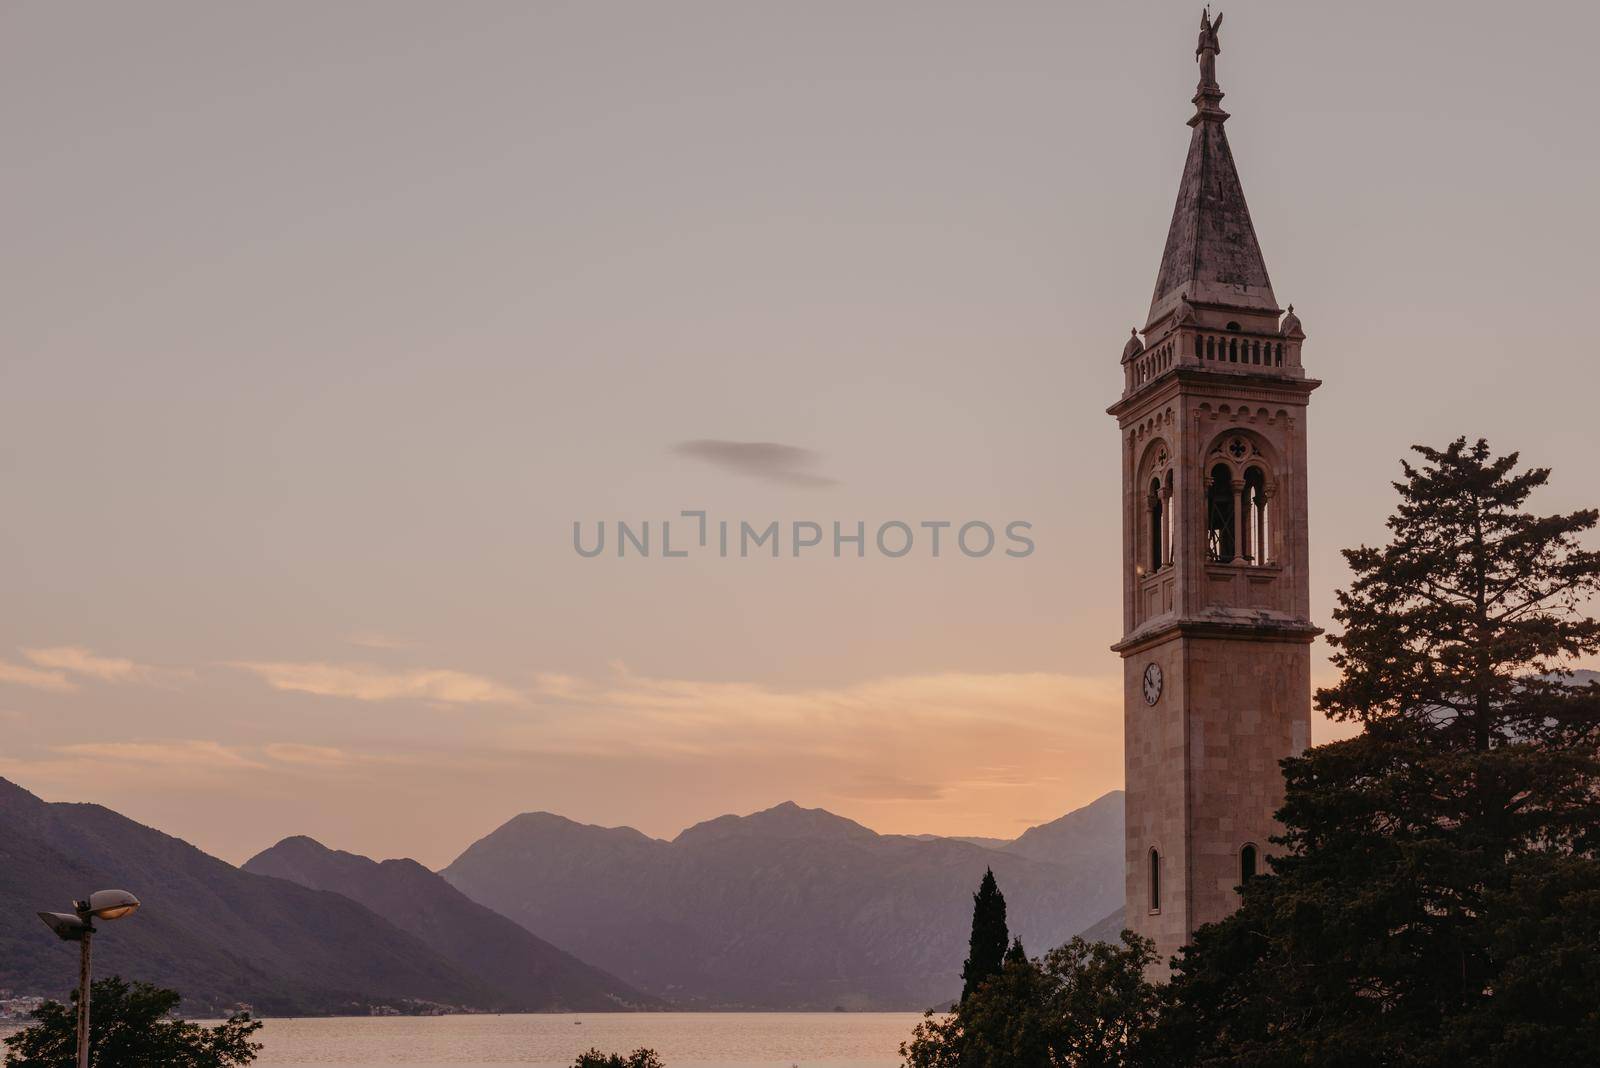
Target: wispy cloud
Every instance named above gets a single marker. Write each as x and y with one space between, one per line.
940 737
21 675
76 660
317 757
369 682
961 752
890 788
730 710
368 639
170 760
169 753
771 461
958 750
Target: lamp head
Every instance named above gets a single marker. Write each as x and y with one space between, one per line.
68 927
110 904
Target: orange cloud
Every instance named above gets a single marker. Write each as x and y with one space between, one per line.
368 682
936 750
19 675
76 660
170 753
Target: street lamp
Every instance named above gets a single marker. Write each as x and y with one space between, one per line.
77 926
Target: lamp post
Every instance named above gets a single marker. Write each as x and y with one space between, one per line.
78 926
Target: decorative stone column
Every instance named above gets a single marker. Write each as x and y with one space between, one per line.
1240 541
1264 499
1169 553
1155 522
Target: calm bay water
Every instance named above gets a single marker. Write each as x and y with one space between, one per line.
684 1040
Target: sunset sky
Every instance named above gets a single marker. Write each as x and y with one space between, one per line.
325 322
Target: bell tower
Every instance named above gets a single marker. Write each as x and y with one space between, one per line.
1216 599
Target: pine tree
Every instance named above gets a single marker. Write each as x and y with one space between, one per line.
1439 900
986 952
1457 632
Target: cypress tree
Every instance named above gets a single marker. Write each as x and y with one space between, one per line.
986 951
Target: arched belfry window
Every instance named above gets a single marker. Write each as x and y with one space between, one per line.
1155 880
1220 516
1247 862
1238 492
1156 538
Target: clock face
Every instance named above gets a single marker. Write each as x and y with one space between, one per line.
1152 684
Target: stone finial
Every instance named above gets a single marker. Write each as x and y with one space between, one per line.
1184 312
1291 325
1133 347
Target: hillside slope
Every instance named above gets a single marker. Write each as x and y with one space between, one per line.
527 973
216 934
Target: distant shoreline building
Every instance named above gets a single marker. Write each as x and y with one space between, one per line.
18 1007
1216 595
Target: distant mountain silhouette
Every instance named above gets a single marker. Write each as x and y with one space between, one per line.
1081 836
528 973
216 934
1108 929
790 908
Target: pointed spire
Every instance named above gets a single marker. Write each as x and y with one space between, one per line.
1212 254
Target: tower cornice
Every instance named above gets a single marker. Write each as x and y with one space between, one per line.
1243 385
1298 632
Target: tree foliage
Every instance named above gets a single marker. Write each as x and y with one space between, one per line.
131 1026
1438 900
1083 1005
986 951
639 1058
1456 632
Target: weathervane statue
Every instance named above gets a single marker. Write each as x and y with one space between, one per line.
1206 51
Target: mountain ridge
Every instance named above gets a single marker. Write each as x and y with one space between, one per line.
785 908
218 934
527 973
788 907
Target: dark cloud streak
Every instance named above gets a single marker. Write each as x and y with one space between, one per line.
770 461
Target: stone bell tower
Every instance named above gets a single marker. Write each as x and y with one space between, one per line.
1216 603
